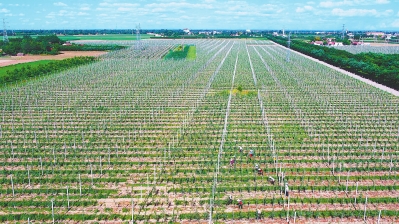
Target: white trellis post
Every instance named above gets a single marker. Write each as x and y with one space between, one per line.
67 191
357 184
12 186
148 181
132 212
27 167
41 165
101 167
154 173
52 209
365 209
294 217
379 217
91 173
80 186
288 210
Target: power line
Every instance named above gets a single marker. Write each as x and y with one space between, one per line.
288 47
343 31
138 37
5 37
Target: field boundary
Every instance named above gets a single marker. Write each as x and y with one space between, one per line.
63 55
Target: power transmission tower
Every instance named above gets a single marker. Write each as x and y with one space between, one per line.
289 47
5 37
343 31
138 37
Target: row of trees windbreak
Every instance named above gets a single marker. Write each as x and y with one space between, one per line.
83 47
41 45
50 45
27 72
381 68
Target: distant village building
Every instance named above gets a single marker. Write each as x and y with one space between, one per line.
20 54
187 31
318 43
333 43
375 33
155 34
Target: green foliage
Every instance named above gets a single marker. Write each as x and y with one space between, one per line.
4 70
23 72
28 45
182 52
84 47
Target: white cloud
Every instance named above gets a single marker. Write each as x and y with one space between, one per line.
65 13
382 2
21 14
360 12
123 9
304 9
60 4
237 9
172 5
331 4
85 8
105 4
395 23
3 10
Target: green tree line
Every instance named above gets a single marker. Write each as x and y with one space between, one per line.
49 44
380 68
41 45
28 71
81 47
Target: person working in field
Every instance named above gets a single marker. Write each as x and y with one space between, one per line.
232 161
258 214
251 153
240 149
230 199
239 203
260 171
286 189
271 180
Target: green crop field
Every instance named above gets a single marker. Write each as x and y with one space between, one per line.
98 37
104 37
182 52
135 138
3 70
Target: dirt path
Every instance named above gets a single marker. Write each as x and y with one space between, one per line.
63 55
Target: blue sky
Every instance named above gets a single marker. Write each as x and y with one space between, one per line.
201 14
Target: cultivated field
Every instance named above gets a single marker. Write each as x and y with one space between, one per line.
12 60
138 137
374 48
